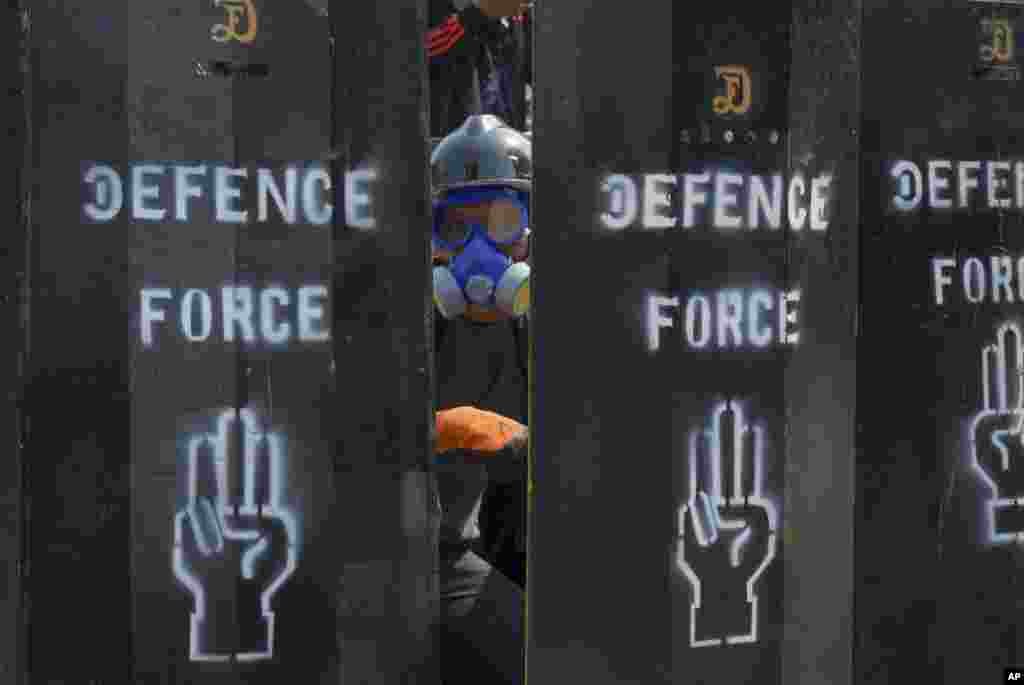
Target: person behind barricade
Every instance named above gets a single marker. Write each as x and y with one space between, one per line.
481 177
504 68
470 47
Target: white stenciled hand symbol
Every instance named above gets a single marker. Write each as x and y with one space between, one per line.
234 547
997 450
726 539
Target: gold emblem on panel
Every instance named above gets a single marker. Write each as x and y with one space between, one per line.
240 24
738 96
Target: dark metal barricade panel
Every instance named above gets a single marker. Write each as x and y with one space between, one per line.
201 483
233 355
821 380
13 208
386 507
685 312
78 411
939 560
601 518
729 403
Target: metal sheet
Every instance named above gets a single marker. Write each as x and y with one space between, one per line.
821 381
601 520
259 380
78 411
731 109
684 308
183 389
938 577
386 519
12 256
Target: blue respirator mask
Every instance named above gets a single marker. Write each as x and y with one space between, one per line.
473 224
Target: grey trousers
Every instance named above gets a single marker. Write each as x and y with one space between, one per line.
482 622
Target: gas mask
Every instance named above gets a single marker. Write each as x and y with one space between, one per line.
473 225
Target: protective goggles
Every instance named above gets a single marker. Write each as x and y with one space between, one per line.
501 214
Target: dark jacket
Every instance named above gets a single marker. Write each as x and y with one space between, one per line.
485 366
468 52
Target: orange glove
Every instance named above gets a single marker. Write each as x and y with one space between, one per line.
478 432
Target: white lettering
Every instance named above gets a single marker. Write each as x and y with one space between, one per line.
759 335
656 320
1020 279
151 314
730 314
623 203
109 195
205 315
758 200
141 192
797 214
819 199
725 199
723 319
655 198
990 279
1003 180
226 194
236 305
908 193
1002 274
937 183
358 203
317 212
311 313
994 183
220 184
1018 172
974 267
286 203
695 303
788 318
693 197
939 267
271 315
183 190
967 180
274 334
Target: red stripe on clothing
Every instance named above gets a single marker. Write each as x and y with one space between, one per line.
442 48
437 36
450 26
442 40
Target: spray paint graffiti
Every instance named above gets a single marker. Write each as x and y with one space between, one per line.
294 193
719 198
738 90
726 537
733 318
997 437
236 11
978 280
956 185
272 316
235 544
